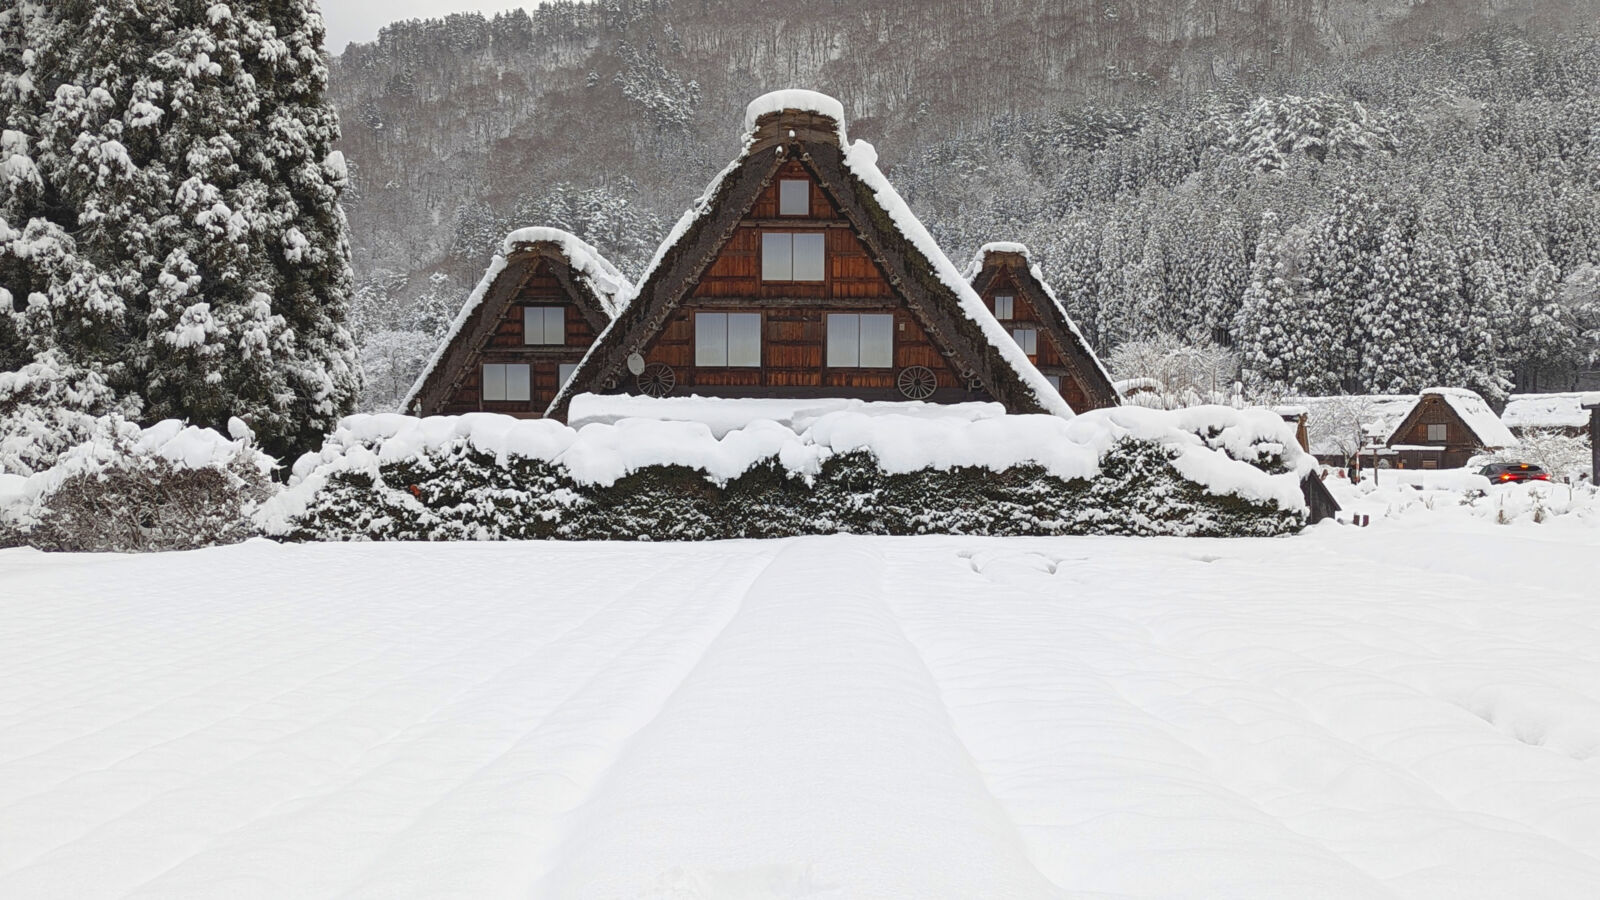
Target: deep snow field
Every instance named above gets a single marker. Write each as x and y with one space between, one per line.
1382 712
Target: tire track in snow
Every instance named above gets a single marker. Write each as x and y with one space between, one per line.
808 750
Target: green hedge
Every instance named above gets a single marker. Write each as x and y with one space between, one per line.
460 493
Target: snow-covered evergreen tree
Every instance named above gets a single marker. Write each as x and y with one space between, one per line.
171 210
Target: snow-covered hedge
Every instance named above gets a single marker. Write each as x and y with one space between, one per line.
1203 471
166 487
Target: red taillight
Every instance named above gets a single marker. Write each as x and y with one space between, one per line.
1506 476
1541 478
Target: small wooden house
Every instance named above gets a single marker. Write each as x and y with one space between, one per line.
1444 429
521 333
801 273
1013 288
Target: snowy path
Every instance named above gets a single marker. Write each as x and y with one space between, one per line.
1345 714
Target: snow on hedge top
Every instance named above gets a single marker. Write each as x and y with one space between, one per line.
607 282
904 440
1472 409
795 99
862 161
723 415
1547 410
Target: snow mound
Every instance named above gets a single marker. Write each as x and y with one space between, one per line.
723 415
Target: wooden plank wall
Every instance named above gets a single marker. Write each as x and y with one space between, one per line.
505 345
794 314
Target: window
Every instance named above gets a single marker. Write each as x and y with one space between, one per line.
791 257
794 197
1055 382
1027 339
507 383
544 324
727 339
1438 432
1430 464
564 373
860 341
1004 306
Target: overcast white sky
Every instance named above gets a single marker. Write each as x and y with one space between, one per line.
359 20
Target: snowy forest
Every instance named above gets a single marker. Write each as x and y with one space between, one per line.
1338 197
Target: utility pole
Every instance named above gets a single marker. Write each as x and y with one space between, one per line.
1591 402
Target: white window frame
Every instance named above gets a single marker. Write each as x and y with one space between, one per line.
786 188
847 349
723 353
1027 339
505 383
1005 306
546 318
779 262
1443 432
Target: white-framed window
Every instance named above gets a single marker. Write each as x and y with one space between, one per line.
794 197
1027 339
727 339
1005 306
787 256
507 382
544 325
860 340
1438 432
564 373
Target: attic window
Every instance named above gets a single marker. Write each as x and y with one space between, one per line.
1027 339
1004 306
794 197
727 339
786 256
505 383
544 325
1055 381
860 341
564 373
1438 432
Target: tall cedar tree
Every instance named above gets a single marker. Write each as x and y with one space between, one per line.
171 224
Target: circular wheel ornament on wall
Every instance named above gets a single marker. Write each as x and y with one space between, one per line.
917 382
657 380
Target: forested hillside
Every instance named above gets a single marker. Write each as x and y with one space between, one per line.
1357 194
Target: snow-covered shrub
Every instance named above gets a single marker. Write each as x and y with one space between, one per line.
167 487
1210 471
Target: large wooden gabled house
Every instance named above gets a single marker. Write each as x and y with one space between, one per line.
522 332
1014 289
801 273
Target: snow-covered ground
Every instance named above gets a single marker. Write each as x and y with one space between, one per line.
1378 712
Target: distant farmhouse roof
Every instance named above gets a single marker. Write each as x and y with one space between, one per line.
1381 414
1490 431
1556 411
807 127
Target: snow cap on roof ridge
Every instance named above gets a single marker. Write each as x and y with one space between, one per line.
604 278
796 99
976 266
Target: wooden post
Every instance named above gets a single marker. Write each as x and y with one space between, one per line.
1594 437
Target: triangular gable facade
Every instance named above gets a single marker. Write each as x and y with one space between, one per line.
1014 290
801 273
522 332
1445 428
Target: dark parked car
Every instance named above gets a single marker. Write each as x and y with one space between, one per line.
1501 473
